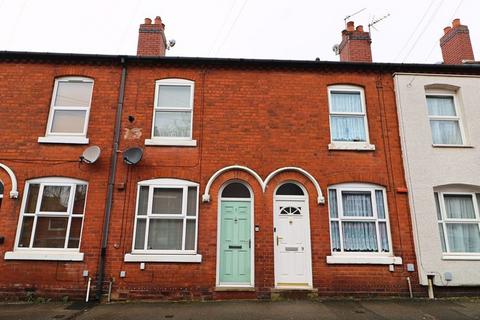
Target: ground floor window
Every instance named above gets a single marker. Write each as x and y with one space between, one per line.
358 219
166 217
458 221
52 214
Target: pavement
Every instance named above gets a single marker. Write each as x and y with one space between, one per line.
241 310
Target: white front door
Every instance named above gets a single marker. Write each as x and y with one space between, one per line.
293 263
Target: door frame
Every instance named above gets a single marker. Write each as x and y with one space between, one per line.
308 244
252 235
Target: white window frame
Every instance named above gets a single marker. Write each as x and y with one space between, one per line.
445 220
144 255
349 145
378 257
458 117
65 253
69 138
172 141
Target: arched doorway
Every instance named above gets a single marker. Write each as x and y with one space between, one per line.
293 261
235 236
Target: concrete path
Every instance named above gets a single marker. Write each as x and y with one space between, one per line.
243 310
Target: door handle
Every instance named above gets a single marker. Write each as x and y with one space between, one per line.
278 240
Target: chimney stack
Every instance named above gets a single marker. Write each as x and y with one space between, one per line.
455 43
355 45
151 38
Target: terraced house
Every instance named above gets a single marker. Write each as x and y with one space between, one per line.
217 178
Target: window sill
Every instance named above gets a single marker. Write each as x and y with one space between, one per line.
188 258
363 260
63 139
357 146
461 146
43 255
172 142
473 257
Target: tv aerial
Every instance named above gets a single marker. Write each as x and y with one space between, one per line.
133 155
90 155
375 21
353 14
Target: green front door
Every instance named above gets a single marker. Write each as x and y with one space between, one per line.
235 244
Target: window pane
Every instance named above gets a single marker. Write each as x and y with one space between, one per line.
75 231
335 234
380 204
332 201
383 236
459 206
32 197
174 96
140 234
235 190
463 237
1 188
440 106
73 94
68 121
446 132
357 204
55 198
442 237
348 128
26 232
192 201
359 237
346 101
167 201
290 189
79 203
143 201
190 235
172 124
50 232
437 206
165 234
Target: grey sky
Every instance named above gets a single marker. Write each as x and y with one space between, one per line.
270 29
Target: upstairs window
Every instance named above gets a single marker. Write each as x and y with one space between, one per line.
444 120
52 214
69 111
358 219
348 118
173 112
458 221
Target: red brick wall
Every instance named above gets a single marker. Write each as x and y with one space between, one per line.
26 91
262 119
456 44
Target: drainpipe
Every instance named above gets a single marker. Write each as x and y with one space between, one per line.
111 181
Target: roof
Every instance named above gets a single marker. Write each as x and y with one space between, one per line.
472 68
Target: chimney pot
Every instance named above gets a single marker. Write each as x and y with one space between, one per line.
148 21
446 30
350 26
158 20
359 28
456 23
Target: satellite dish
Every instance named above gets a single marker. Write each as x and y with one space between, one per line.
132 155
90 155
336 49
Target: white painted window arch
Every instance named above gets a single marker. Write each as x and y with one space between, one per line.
69 111
13 179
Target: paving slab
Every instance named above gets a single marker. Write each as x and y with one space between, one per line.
33 311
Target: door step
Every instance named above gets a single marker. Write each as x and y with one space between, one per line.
223 289
293 293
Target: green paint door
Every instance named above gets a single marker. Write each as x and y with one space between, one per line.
235 244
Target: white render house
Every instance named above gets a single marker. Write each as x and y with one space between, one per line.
439 119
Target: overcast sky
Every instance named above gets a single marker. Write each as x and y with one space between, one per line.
266 29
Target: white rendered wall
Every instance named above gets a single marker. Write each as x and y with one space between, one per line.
427 166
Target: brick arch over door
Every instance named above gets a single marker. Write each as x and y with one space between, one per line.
13 178
263 183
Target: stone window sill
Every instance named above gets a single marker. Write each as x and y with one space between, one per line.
171 142
461 146
63 139
472 257
363 260
187 258
43 255
355 146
